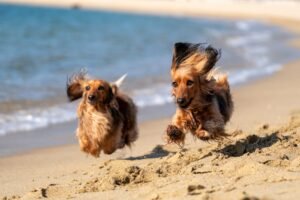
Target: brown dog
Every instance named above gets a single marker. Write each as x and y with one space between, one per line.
107 117
203 98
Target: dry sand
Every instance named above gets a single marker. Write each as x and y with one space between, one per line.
261 160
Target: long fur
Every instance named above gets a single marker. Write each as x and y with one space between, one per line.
108 121
209 103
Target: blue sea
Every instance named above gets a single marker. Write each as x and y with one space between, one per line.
40 47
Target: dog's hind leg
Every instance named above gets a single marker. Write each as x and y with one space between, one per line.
130 136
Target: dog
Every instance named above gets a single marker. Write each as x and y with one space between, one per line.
203 98
107 117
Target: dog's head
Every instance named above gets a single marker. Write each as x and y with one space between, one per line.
94 92
97 92
191 65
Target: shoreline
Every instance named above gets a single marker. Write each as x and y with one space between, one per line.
268 101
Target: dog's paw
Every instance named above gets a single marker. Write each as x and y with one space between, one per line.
203 134
175 135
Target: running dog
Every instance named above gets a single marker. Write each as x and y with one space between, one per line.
107 117
204 102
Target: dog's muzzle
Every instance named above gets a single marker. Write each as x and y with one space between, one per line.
92 98
183 102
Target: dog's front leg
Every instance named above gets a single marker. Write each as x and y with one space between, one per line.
175 132
211 129
202 133
175 135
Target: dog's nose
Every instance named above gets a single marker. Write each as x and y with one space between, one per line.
181 101
91 97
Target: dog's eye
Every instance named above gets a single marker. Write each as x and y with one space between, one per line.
87 88
100 88
189 83
174 84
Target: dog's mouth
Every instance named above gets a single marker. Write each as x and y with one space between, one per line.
96 102
92 102
185 105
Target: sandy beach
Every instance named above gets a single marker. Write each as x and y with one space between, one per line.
260 160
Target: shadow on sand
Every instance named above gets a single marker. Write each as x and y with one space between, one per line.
157 152
249 145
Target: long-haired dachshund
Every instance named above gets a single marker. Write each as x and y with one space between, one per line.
203 97
107 117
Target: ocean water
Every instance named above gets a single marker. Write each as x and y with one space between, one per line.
40 47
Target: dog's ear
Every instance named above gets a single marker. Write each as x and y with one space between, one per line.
181 50
212 56
114 89
201 56
207 56
115 85
74 85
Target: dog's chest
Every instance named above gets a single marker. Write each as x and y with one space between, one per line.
95 122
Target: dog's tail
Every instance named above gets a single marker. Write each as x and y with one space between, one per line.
224 97
119 82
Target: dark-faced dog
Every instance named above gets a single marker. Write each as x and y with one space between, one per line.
203 98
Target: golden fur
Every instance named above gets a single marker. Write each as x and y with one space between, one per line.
107 118
203 96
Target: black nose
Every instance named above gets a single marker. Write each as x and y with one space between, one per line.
91 97
181 101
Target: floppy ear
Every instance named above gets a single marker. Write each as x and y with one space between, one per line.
200 56
205 58
180 51
212 55
74 85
